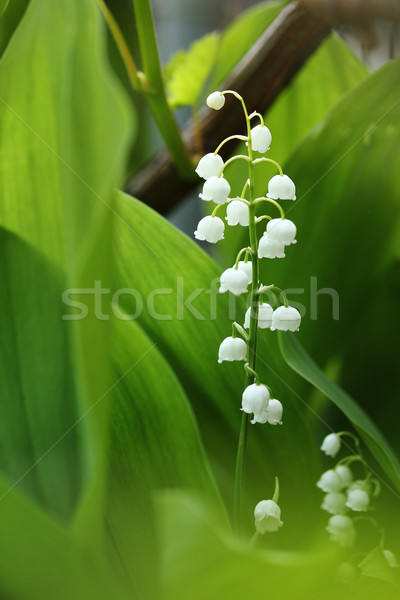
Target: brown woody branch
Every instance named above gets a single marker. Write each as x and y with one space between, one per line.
261 75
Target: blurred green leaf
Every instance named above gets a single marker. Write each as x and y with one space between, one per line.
3 6
187 71
376 565
64 132
299 360
39 559
182 312
240 36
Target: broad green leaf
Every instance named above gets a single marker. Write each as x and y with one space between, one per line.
64 131
154 445
39 559
3 6
241 35
298 359
175 302
187 71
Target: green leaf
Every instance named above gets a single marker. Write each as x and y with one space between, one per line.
3 6
240 36
39 559
177 304
375 565
187 71
64 133
299 360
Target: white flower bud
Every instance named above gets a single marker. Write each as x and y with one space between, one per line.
345 474
232 349
237 213
267 517
281 187
265 312
286 318
357 500
210 229
216 189
234 281
391 559
255 400
216 100
282 231
334 503
347 573
330 481
274 412
247 268
268 248
260 138
209 166
331 444
342 530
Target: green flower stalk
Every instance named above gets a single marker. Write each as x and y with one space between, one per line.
258 404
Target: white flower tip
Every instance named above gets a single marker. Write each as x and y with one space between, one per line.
216 100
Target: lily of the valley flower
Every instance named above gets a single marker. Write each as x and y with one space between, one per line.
260 137
216 100
247 268
264 321
274 412
281 187
209 165
269 248
345 474
267 517
331 444
215 189
391 559
334 503
234 281
330 481
211 229
286 318
237 213
282 231
255 399
232 349
342 530
357 500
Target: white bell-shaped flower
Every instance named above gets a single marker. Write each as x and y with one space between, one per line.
391 559
281 187
286 318
265 312
215 189
330 482
209 165
345 474
216 100
260 137
267 517
247 268
210 229
268 248
331 444
273 414
255 400
342 530
334 503
357 500
282 231
234 281
232 349
237 213
347 573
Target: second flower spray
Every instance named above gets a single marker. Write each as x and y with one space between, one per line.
258 404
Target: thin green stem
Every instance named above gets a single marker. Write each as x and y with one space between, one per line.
259 219
243 138
231 160
157 98
264 289
248 250
252 373
273 202
238 328
246 185
269 160
257 114
240 473
135 79
216 209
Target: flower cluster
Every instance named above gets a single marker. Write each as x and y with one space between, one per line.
243 276
345 495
